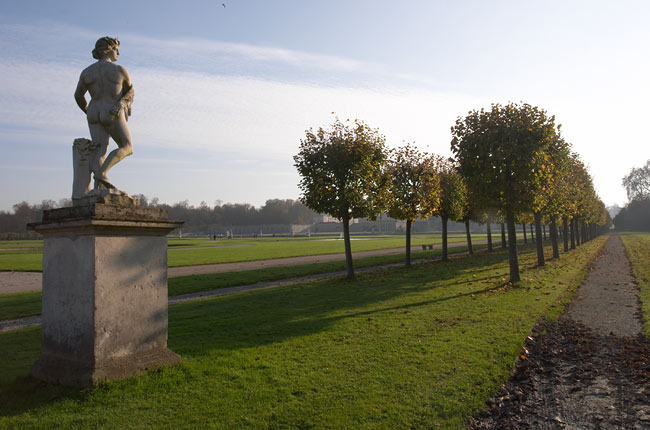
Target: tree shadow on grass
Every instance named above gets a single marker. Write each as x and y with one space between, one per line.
259 318
267 316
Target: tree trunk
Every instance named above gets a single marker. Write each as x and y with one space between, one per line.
578 233
489 236
444 238
408 242
348 248
523 226
565 233
553 232
581 235
544 231
532 235
538 242
573 233
512 248
503 236
469 238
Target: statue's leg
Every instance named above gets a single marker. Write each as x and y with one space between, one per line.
99 135
120 133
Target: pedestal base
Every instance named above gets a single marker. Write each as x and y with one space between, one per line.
104 293
63 371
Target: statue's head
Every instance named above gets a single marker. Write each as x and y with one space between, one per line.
104 45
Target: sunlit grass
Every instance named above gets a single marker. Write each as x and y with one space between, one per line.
399 348
28 304
638 250
197 251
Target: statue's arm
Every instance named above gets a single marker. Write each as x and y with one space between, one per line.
80 95
126 100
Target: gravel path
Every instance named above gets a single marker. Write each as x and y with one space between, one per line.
589 371
18 282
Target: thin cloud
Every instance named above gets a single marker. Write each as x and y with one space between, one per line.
257 53
200 126
66 43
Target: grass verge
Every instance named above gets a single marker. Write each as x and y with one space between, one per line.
191 252
20 305
26 260
399 348
638 250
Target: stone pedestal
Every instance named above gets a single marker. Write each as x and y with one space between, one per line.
104 293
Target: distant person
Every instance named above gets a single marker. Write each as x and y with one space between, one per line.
111 96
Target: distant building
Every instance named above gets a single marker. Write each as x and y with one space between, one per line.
325 218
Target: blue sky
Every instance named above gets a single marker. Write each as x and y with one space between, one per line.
223 95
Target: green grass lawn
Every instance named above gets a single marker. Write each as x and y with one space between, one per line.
399 348
265 248
8 244
21 260
638 250
28 304
191 252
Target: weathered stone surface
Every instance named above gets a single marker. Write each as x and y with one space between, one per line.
109 196
101 212
104 293
82 153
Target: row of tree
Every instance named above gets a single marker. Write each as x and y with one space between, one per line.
635 216
511 165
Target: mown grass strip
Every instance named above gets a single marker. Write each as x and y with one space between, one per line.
12 244
263 249
203 251
21 260
638 250
20 305
402 348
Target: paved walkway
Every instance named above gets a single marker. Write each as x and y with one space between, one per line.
18 282
607 302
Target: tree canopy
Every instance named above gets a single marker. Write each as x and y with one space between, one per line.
635 216
413 188
501 154
637 182
341 172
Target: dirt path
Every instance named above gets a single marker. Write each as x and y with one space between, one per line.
18 282
589 371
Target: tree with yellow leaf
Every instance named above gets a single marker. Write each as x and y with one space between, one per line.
498 151
413 188
342 174
453 195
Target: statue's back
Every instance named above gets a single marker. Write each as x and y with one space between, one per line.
104 81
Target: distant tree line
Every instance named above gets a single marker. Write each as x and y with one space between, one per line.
197 218
13 224
635 216
511 166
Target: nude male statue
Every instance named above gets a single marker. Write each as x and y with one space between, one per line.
111 96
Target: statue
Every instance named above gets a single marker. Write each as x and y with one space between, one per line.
111 96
